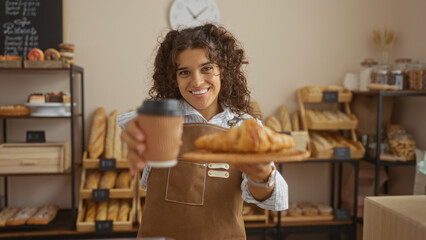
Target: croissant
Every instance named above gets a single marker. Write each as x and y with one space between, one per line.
249 137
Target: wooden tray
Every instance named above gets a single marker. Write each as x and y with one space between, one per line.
113 193
232 158
329 154
11 64
332 125
45 64
306 96
116 226
289 219
94 162
24 158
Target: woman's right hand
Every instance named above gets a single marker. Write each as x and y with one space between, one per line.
134 138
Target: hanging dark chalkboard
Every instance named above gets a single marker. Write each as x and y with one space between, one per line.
27 24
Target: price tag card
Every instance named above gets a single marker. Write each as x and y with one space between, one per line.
342 153
36 137
107 164
342 215
330 96
103 226
100 195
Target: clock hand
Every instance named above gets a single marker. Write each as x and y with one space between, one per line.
190 12
204 9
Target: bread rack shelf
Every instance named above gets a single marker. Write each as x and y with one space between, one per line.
321 95
65 217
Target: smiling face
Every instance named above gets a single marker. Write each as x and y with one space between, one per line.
199 81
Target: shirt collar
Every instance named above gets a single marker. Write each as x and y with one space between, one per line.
226 114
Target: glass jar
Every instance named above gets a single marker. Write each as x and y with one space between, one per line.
400 67
402 145
415 74
381 74
364 76
397 79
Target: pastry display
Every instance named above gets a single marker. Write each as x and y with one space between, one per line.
97 133
22 216
322 140
35 54
327 115
44 215
14 110
52 54
248 137
7 213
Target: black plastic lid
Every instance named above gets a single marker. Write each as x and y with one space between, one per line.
168 107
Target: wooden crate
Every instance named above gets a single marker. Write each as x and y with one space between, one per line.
139 209
117 226
94 162
309 97
11 64
113 193
329 154
45 64
332 125
25 158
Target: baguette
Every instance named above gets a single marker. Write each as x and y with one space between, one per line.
92 180
97 133
123 213
21 217
273 123
117 140
101 211
285 119
44 215
109 139
257 113
107 180
6 214
123 180
90 211
113 206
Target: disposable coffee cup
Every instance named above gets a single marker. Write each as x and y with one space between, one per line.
162 122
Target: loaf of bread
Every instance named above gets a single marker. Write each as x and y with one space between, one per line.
108 180
285 119
310 211
123 180
257 113
97 133
123 212
44 215
92 180
21 217
113 207
117 140
90 211
109 139
101 211
295 121
273 123
6 214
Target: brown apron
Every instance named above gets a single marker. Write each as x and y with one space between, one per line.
194 200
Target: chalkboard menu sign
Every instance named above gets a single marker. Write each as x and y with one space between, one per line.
28 24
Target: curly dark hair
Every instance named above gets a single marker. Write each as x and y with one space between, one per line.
222 49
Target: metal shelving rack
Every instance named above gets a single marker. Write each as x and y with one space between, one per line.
65 217
377 161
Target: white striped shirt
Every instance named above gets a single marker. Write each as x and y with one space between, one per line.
279 198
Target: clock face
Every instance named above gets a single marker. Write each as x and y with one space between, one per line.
191 13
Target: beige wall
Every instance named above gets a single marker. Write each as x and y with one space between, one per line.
289 44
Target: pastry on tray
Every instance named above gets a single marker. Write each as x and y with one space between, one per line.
249 137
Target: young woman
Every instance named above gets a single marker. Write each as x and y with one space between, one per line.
201 67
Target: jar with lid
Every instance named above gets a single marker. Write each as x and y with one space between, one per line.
398 73
381 74
397 79
402 145
364 76
415 74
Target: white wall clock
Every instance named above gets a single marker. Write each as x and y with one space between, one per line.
192 13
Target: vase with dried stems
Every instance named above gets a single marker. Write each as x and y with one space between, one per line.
384 42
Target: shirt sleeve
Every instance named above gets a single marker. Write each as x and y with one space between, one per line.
278 200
